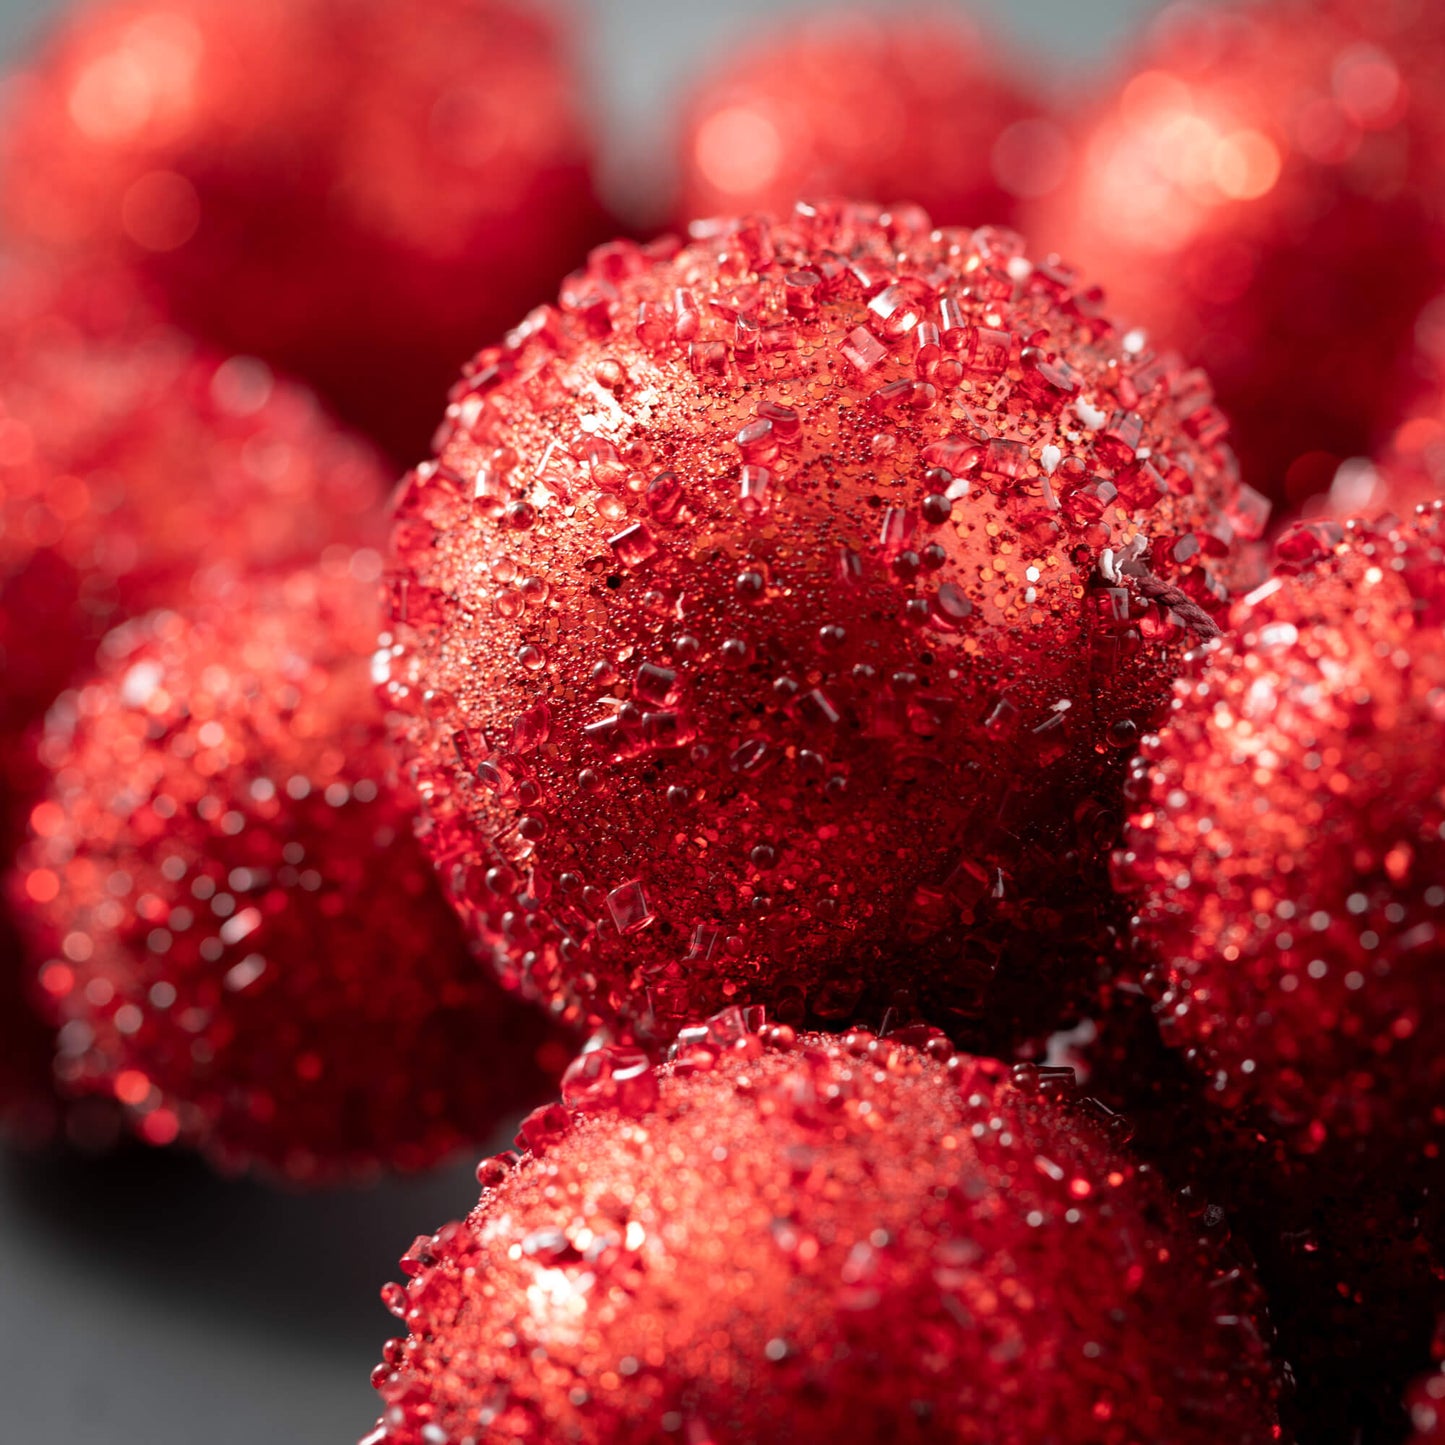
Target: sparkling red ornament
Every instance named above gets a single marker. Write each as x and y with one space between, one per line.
878 106
777 615
776 1237
1287 839
240 939
1263 190
359 191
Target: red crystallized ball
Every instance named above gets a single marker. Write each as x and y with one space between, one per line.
1264 191
918 103
778 613
773 1239
357 190
240 938
129 460
1288 842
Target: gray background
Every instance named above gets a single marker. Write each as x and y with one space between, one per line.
142 1300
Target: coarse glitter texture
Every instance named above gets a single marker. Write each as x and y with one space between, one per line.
778 614
129 461
1287 839
1341 1237
360 191
1263 191
240 938
775 1238
915 103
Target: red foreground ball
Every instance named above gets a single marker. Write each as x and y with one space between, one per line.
130 461
1289 840
1263 192
242 942
876 106
776 1238
778 614
357 190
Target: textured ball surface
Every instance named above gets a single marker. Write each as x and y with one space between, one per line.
1288 842
874 106
1263 192
360 191
774 1238
129 461
242 941
777 615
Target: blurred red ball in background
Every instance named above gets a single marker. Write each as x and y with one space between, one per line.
1266 190
130 459
775 1238
874 106
777 617
1288 837
360 191
237 932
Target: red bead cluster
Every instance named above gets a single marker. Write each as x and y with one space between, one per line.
242 942
778 1236
832 618
779 611
354 189
878 106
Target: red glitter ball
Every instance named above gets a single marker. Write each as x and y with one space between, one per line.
784 1238
1263 192
129 460
777 617
874 106
357 190
1288 841
241 939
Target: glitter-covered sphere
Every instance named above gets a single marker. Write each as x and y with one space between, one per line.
777 616
129 461
360 191
237 932
877 106
1263 191
1287 839
777 1237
